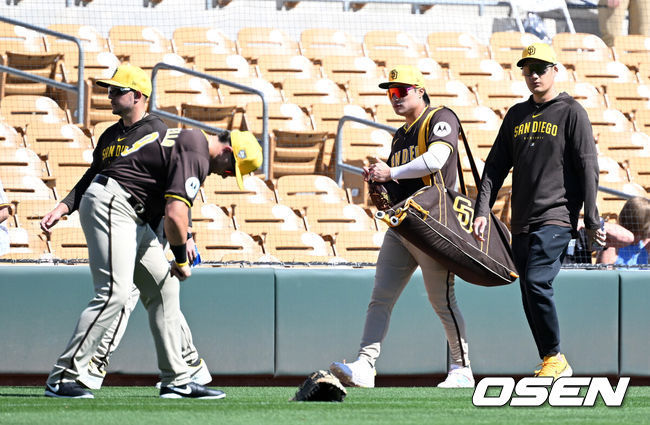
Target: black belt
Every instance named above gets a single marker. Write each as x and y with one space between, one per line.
138 206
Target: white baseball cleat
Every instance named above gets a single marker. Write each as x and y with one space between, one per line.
458 377
355 374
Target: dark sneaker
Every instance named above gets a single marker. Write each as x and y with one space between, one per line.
190 390
67 390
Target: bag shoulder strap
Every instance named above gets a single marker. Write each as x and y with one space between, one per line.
423 136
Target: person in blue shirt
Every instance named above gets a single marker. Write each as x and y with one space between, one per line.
635 216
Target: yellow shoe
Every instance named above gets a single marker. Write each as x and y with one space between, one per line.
555 366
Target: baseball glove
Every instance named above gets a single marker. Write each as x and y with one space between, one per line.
321 385
379 196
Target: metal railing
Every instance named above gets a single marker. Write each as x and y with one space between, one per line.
338 145
416 5
201 125
79 88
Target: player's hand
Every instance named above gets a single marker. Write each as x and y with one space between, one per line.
596 238
181 272
480 223
379 171
191 250
50 219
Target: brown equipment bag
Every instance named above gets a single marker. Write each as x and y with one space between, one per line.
439 221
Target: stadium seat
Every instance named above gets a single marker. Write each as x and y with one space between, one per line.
147 61
366 93
20 187
225 193
21 110
173 90
20 162
281 116
386 45
209 216
50 138
235 96
267 218
629 97
362 145
91 39
610 169
336 219
30 212
276 68
308 92
297 246
506 46
632 49
24 245
68 243
326 116
603 73
472 71
213 244
450 93
624 144
359 246
67 166
501 95
227 66
41 64
575 47
9 137
608 120
585 93
348 70
477 117
296 152
127 39
301 191
480 141
642 120
191 42
220 116
16 38
453 46
319 43
256 41
639 170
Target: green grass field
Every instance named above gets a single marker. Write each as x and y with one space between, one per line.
270 405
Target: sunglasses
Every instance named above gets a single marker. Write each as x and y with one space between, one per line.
537 68
118 91
399 92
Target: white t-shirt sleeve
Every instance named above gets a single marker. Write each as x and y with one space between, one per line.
427 163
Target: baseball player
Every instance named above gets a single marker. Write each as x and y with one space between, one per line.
548 142
160 174
398 258
128 91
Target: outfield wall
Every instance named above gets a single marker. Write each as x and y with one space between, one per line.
288 322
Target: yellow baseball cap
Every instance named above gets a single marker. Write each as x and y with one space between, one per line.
404 74
129 76
539 51
247 152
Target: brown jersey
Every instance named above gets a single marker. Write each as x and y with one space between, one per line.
443 128
116 139
173 164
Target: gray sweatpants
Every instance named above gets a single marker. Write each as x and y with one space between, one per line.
397 261
113 336
119 246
